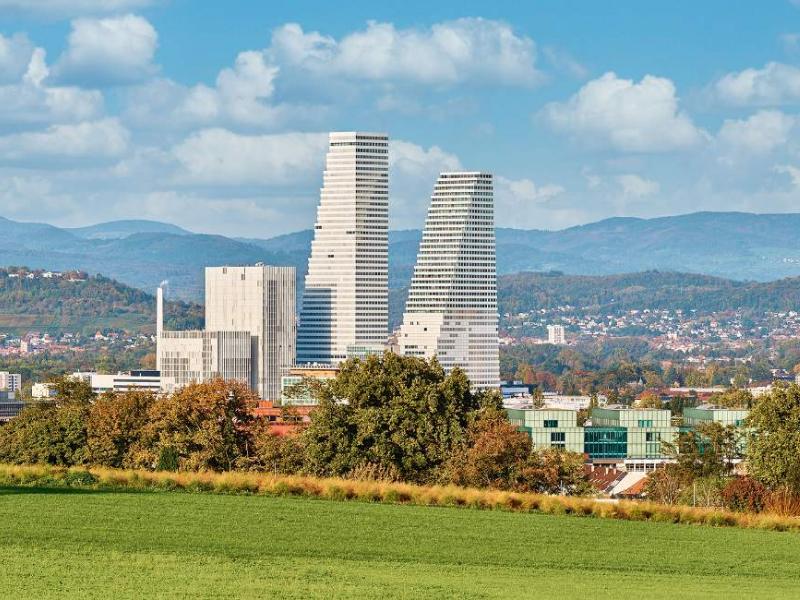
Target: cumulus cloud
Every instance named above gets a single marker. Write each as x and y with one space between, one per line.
635 186
109 51
15 55
241 96
67 8
469 50
221 157
103 140
525 191
792 171
773 85
628 116
758 134
32 101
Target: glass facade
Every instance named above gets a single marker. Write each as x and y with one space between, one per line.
606 442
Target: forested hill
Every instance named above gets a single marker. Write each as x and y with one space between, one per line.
80 303
607 294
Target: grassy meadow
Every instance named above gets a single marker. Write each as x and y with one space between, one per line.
72 542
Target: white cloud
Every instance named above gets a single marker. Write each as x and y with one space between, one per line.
758 134
774 84
242 95
563 61
15 55
113 50
470 50
628 116
33 102
102 140
221 157
66 8
525 191
792 171
634 186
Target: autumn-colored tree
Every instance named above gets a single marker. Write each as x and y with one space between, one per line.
115 422
280 454
204 424
492 455
496 454
647 400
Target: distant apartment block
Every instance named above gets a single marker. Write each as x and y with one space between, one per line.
10 382
555 335
345 307
260 300
451 311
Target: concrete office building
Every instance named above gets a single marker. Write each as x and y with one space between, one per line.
451 311
186 357
260 300
345 302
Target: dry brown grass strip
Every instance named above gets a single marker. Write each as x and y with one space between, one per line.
386 492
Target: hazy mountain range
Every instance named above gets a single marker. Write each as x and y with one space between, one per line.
738 246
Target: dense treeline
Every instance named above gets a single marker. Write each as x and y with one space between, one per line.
60 304
403 420
610 294
615 364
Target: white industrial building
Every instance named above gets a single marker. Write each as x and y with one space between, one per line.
124 381
195 356
250 316
451 311
346 299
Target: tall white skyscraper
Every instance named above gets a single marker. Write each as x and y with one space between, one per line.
262 301
345 302
451 311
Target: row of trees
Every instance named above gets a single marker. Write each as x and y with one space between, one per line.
389 417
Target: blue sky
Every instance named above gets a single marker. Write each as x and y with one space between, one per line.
213 115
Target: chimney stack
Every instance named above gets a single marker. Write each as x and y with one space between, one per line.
159 311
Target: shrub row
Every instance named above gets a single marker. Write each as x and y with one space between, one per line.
384 492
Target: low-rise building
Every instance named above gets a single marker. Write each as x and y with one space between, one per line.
550 428
632 439
294 394
43 391
124 381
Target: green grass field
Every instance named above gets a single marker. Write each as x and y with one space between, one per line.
90 544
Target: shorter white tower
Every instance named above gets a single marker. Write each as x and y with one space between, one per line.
262 301
451 311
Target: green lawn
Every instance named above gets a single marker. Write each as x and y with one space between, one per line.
63 543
